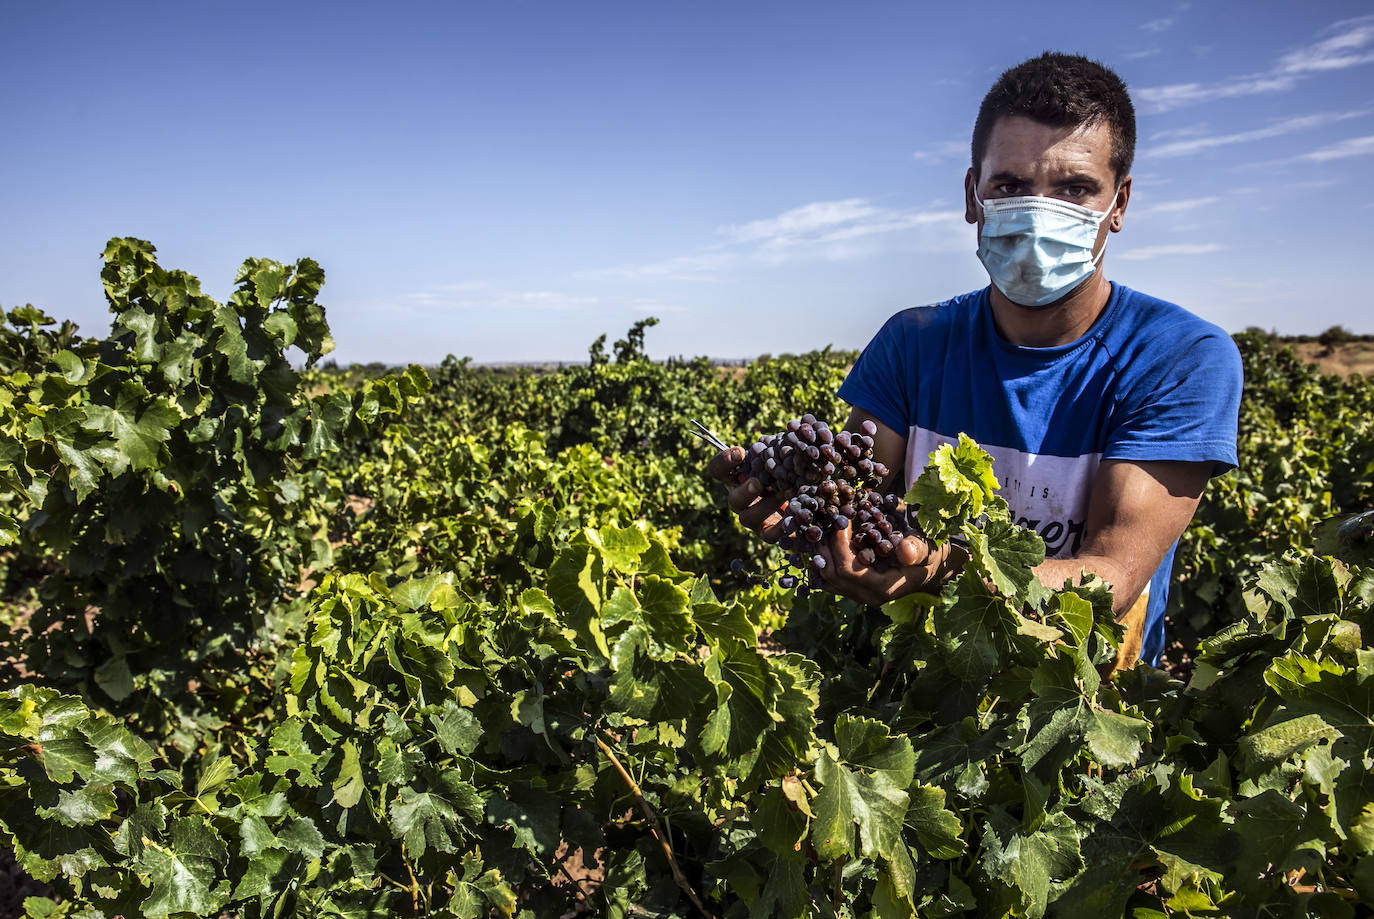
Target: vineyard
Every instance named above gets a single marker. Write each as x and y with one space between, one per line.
289 642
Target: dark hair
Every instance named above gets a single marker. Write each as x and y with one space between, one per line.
1061 90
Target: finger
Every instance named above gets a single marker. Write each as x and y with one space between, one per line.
743 495
724 463
847 563
912 550
764 512
764 516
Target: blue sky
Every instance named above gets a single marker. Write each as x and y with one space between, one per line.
508 180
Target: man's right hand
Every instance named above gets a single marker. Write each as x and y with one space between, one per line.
759 512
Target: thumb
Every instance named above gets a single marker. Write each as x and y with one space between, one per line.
912 550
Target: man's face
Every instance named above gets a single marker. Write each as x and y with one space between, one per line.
1025 157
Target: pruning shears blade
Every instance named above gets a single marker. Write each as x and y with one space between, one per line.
708 435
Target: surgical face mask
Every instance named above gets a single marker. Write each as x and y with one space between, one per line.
1038 249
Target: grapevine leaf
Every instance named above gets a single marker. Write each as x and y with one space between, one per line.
292 754
722 623
146 821
974 630
852 800
268 870
83 806
1115 739
184 873
664 616
1279 741
1027 863
457 729
67 757
1343 698
532 814
955 487
620 546
743 693
1310 587
938 829
348 786
785 893
434 820
138 431
572 587
115 679
869 743
1005 554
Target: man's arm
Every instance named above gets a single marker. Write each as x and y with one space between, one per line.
1136 511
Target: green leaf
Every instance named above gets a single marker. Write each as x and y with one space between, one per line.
184 874
137 428
1028 863
434 820
115 679
457 729
532 814
292 753
1005 553
975 629
1279 741
743 709
621 547
82 806
955 487
852 802
348 786
1115 739
938 829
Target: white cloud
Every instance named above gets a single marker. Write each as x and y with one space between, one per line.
1165 98
1152 252
1351 146
824 222
946 150
1287 126
466 296
1192 130
1174 207
1165 23
706 265
848 228
1348 43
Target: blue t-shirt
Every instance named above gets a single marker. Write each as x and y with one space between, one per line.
1148 381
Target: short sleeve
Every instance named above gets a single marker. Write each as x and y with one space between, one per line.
1185 402
879 382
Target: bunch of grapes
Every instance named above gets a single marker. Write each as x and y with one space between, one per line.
829 480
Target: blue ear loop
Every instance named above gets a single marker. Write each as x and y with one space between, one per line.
1037 249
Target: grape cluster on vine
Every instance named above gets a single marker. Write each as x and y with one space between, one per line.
830 482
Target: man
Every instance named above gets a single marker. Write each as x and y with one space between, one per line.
1106 411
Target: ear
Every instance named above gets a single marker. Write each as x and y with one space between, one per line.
970 203
1123 197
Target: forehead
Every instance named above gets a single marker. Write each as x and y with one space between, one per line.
1021 146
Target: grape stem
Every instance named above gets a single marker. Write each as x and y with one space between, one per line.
655 827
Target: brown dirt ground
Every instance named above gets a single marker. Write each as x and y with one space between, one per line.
1344 359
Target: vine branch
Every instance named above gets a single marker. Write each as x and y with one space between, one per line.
655 827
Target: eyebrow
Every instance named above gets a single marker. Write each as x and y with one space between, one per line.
1008 177
1077 178
1081 179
